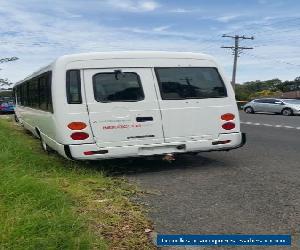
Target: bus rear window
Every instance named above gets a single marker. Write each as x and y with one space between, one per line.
190 83
73 87
117 87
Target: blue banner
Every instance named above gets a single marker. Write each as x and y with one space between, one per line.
223 240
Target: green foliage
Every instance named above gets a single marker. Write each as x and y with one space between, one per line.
47 202
242 93
35 214
265 93
268 88
6 93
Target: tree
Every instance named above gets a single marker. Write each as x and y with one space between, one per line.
242 93
265 93
5 82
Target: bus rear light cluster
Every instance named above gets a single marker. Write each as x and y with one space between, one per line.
227 117
77 136
77 125
228 126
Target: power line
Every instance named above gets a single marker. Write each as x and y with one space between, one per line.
273 60
236 51
291 22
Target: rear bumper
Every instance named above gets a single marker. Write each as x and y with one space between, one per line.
78 152
243 142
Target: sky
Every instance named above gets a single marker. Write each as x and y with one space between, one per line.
39 31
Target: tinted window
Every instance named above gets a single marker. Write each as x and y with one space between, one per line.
269 101
190 83
258 101
19 95
36 93
73 87
261 101
43 92
25 99
273 101
117 87
49 91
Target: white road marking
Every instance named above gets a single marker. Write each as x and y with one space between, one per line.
270 125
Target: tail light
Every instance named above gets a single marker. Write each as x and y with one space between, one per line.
77 125
227 117
79 136
228 126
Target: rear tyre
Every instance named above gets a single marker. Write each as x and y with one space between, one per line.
44 145
287 112
16 118
249 110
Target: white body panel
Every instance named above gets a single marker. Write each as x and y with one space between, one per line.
191 124
115 124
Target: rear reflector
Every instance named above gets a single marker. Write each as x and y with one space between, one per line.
77 125
227 117
79 136
88 153
220 142
228 126
95 152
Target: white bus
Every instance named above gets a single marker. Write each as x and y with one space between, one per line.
128 104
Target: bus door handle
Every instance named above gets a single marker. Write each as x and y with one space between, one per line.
144 119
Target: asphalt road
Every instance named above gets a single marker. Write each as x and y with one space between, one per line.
252 190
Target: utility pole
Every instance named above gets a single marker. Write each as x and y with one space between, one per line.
236 51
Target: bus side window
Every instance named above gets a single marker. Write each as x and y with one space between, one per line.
25 101
73 87
19 95
34 93
49 92
43 93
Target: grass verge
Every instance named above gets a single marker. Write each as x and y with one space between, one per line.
47 202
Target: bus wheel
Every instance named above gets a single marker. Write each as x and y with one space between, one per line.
45 147
16 118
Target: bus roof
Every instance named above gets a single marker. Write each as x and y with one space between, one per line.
120 55
135 55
